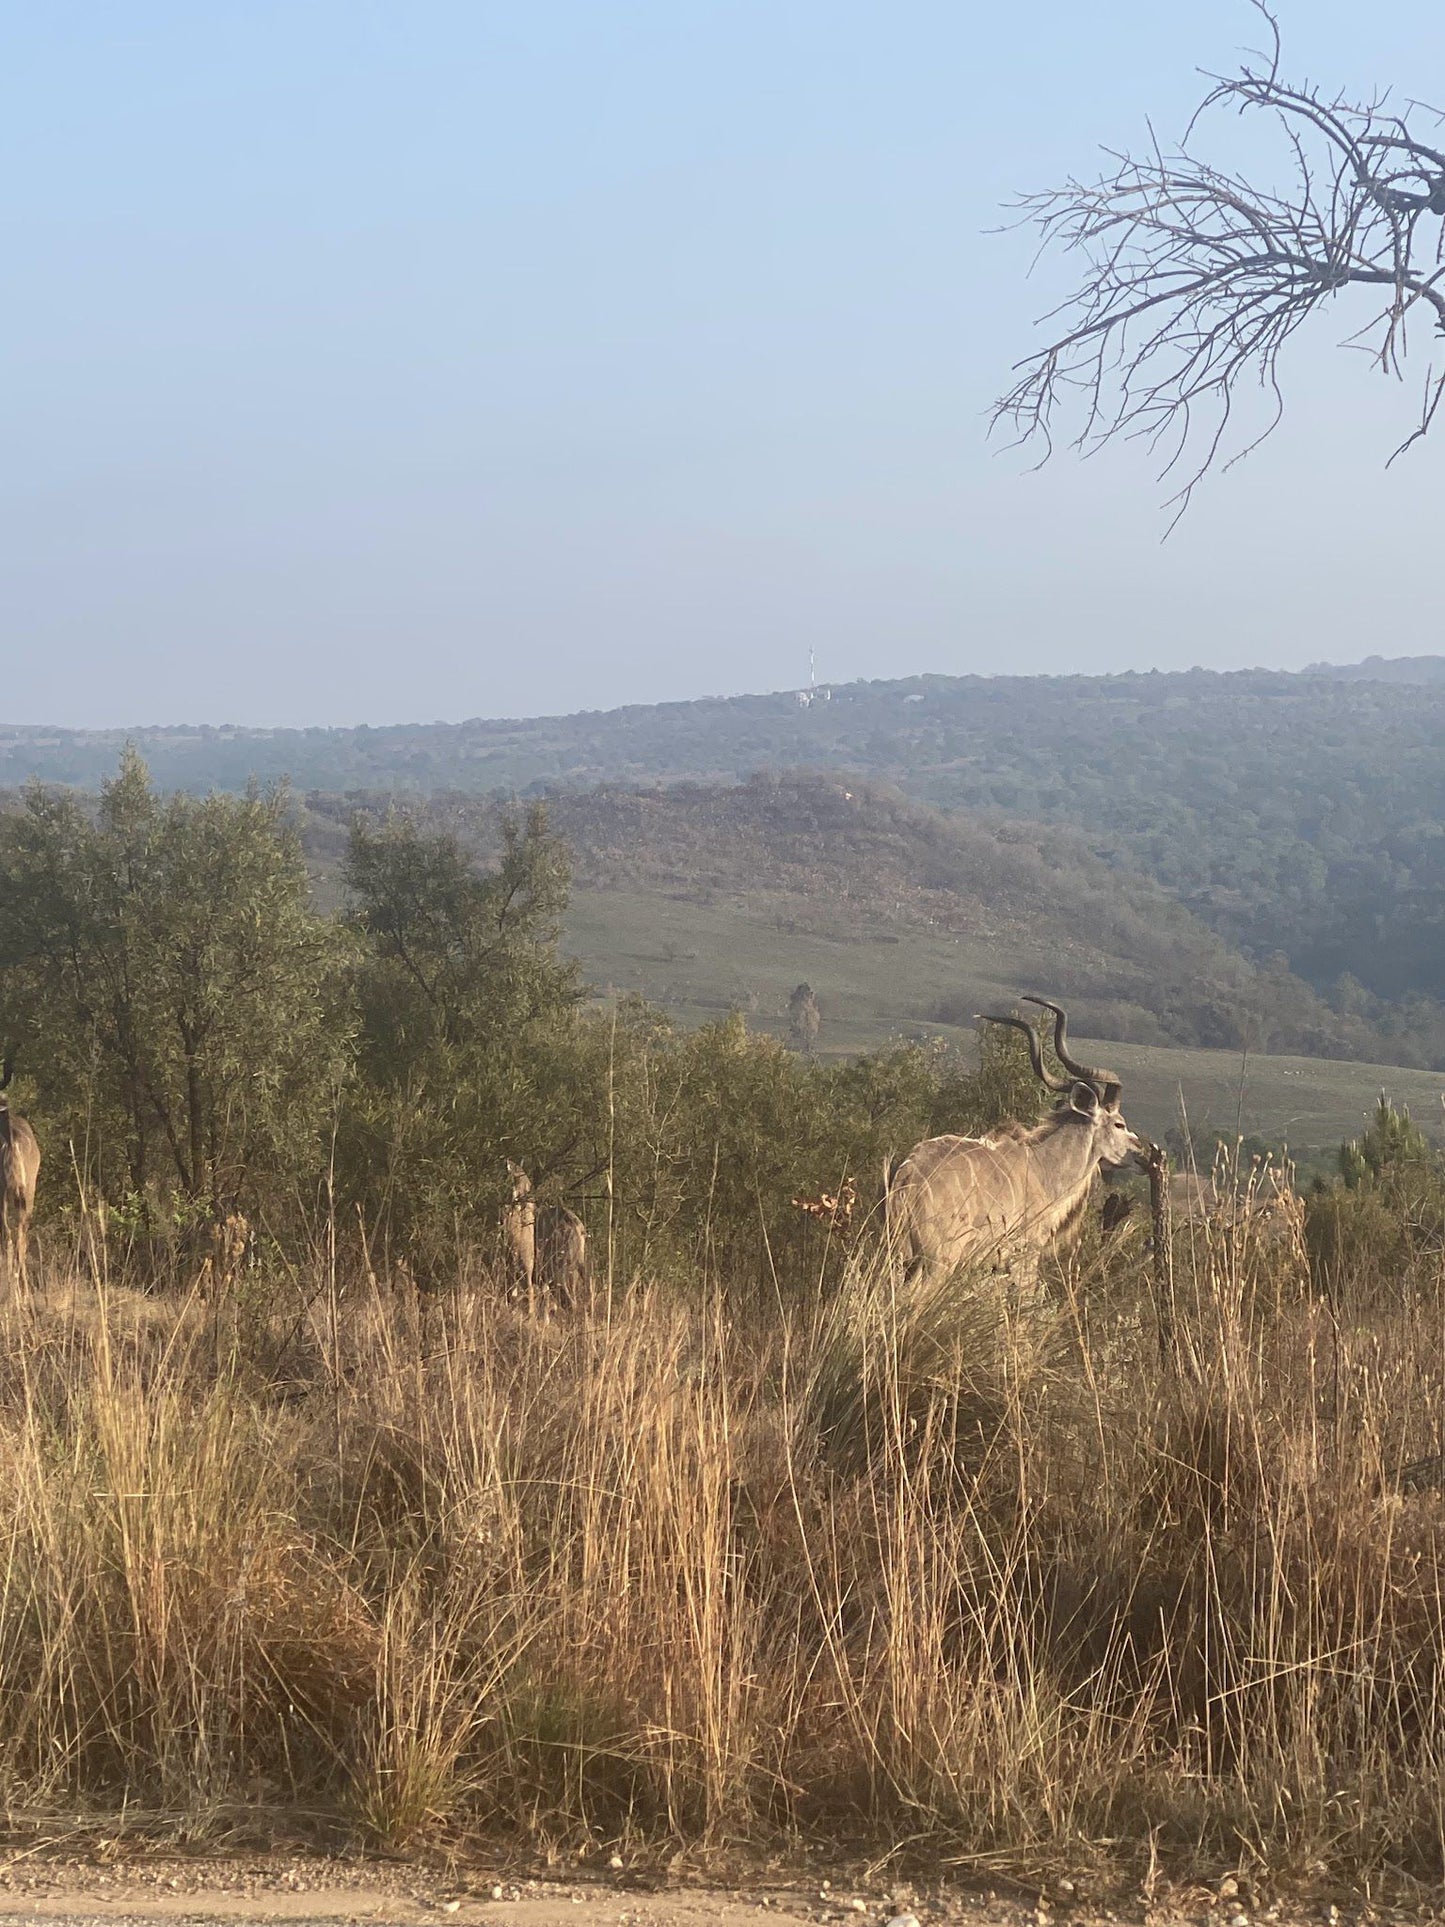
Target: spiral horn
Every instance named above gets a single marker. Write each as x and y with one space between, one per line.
1045 1077
1106 1083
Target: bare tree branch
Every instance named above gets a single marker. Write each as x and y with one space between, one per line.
1195 280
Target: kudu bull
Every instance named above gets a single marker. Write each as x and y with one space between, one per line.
19 1173
998 1202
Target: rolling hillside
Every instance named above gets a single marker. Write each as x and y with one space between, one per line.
906 921
1295 814
700 961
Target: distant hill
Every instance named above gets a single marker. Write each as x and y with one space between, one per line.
901 917
1297 815
976 740
1407 669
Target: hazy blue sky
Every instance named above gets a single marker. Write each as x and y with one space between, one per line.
367 362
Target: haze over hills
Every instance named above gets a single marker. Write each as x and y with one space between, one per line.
1298 815
1206 866
1411 669
958 735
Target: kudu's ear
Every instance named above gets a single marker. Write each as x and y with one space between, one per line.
1084 1099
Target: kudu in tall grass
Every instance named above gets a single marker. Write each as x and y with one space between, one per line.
548 1245
998 1202
19 1174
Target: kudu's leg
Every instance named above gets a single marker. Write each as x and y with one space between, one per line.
12 1236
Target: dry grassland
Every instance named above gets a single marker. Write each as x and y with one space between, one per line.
902 1573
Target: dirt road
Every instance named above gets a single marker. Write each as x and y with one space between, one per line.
301 1892
533 1904
109 1888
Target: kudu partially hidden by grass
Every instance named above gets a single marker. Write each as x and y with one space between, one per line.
19 1173
548 1244
998 1202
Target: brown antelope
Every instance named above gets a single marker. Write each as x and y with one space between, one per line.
19 1174
548 1244
998 1202
519 1227
563 1265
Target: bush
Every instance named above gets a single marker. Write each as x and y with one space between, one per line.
180 1008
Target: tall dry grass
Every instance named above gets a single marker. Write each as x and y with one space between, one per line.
911 1570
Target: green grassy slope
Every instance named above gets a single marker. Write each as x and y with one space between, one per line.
906 921
895 883
699 961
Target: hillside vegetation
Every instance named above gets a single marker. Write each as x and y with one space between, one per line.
1300 814
916 911
898 922
904 921
1410 669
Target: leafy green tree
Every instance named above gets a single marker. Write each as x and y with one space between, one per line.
454 953
472 1048
169 986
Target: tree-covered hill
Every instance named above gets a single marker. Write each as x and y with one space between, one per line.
1295 814
703 896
